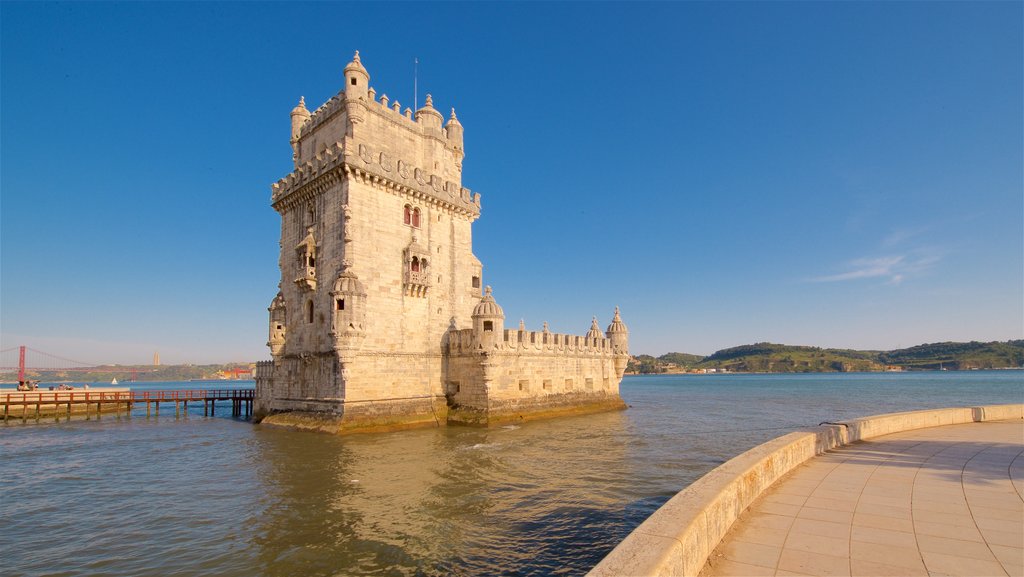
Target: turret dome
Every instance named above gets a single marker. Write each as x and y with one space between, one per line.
356 65
487 307
617 325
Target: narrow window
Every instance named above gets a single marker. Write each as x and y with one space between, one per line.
476 282
415 264
488 325
309 311
353 81
416 217
423 265
408 215
340 303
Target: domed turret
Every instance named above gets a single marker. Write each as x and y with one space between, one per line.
488 322
278 320
357 79
428 116
595 330
619 334
300 115
349 310
454 132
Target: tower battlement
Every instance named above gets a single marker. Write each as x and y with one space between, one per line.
379 320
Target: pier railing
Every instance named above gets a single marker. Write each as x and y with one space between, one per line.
54 402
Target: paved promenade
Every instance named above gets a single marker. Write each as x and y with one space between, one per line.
936 501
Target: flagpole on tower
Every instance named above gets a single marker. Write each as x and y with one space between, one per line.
415 88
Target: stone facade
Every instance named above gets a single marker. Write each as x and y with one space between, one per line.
380 321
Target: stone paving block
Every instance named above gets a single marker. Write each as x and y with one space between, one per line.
883 536
825 515
838 547
884 511
961 532
751 534
957 547
908 557
867 520
777 522
1011 558
824 528
727 567
864 568
953 565
832 504
813 563
752 553
1007 539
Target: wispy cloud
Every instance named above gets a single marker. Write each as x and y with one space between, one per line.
894 269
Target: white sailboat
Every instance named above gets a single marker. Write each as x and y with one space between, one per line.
113 381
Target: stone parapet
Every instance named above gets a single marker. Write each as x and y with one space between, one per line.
678 537
465 341
372 167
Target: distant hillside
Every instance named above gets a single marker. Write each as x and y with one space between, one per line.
123 373
958 356
773 358
776 358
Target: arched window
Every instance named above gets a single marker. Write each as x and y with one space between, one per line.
416 217
309 311
408 214
415 264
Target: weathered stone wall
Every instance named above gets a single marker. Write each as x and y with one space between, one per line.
377 267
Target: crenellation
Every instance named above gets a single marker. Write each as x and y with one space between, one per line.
379 314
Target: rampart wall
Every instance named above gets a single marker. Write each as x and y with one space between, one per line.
678 537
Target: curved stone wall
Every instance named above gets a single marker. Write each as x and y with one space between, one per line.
678 537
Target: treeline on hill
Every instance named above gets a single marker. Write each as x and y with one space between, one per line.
775 358
123 373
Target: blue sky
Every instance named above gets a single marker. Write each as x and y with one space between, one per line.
829 174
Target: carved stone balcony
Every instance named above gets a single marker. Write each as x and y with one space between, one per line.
417 283
307 278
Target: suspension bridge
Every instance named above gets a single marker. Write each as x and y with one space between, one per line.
26 360
28 400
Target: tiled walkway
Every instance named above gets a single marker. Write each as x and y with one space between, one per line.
937 501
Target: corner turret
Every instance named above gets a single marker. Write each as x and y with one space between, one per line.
488 322
278 322
619 335
595 330
348 316
357 79
453 130
300 115
428 116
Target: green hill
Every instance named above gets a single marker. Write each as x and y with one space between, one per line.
958 356
777 358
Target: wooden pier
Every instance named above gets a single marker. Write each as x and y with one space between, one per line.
35 404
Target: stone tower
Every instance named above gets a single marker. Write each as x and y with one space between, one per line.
378 274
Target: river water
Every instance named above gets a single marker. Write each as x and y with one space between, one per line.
201 496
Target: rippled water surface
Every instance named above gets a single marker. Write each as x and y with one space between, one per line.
202 496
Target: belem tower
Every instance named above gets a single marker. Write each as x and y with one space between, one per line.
382 320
